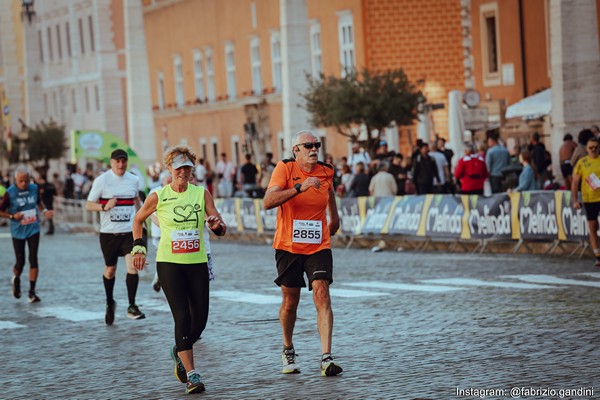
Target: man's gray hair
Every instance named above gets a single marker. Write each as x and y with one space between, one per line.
297 135
22 169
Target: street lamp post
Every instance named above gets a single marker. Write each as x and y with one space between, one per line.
27 10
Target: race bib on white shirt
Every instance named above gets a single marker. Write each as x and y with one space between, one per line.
307 231
29 216
185 241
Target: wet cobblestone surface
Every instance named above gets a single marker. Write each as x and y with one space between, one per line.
407 325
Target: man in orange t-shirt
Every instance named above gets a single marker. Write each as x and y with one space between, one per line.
302 188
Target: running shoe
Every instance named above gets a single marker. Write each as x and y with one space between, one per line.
33 298
194 384
16 286
109 318
180 373
330 368
134 312
288 358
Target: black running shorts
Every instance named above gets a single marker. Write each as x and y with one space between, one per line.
592 210
291 268
115 245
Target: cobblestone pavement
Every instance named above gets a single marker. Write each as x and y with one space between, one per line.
407 326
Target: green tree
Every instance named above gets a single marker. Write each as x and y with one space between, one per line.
374 100
46 142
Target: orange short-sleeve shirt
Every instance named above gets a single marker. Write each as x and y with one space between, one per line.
298 229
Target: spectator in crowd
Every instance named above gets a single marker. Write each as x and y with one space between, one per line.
399 172
383 183
595 130
383 154
226 173
47 193
587 173
360 182
345 181
424 170
78 181
471 172
58 183
357 155
443 169
441 146
580 150
266 170
248 173
539 158
200 172
528 179
496 159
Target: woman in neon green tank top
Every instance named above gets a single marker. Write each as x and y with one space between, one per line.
181 261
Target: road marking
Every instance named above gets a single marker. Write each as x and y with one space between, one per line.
245 297
479 282
67 313
552 280
10 325
5 235
403 286
591 274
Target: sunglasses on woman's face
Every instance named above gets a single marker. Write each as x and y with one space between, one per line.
310 145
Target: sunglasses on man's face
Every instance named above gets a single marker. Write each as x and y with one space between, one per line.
310 145
592 148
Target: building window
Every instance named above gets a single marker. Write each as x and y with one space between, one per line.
46 105
161 91
41 45
81 36
91 23
346 39
210 75
198 76
276 62
74 101
97 97
68 34
230 70
490 44
55 105
315 49
50 53
256 68
58 42
179 95
86 94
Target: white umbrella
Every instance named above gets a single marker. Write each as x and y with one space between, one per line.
456 124
532 107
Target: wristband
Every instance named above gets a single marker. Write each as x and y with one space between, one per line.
138 250
139 242
218 231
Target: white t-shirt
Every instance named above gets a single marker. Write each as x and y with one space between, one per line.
125 189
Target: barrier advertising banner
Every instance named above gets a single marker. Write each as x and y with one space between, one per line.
407 215
443 216
487 217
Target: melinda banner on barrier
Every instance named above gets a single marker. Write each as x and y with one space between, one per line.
538 215
407 215
487 217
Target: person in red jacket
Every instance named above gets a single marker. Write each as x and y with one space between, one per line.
471 171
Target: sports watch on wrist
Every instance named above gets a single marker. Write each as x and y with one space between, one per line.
298 186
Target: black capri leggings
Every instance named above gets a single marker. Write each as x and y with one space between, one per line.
33 242
186 288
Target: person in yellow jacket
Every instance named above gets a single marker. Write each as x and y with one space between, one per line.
181 261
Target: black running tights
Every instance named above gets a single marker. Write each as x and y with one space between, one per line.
186 288
33 242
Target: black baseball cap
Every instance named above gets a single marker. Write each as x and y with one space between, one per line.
119 153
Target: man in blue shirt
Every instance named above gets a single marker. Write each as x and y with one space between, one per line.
22 204
496 158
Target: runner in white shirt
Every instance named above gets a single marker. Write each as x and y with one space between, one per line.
115 195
